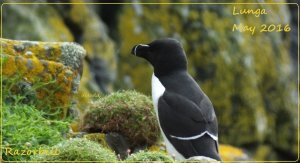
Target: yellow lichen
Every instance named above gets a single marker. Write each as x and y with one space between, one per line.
83 96
230 153
30 60
59 28
41 50
79 8
8 68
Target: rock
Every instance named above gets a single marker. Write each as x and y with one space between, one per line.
99 46
100 63
118 143
78 23
201 159
34 23
55 65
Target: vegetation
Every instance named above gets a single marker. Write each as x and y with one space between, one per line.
25 124
24 127
149 156
17 90
78 149
127 112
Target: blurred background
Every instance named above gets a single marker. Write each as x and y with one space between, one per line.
250 79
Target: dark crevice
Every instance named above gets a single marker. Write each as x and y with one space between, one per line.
109 13
75 30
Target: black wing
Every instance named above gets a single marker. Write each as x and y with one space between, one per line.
181 117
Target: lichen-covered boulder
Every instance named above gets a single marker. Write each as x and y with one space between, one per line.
77 150
57 63
71 23
128 113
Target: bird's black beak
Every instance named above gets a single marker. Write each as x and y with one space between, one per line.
140 50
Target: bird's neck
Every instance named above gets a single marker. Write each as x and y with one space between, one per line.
173 78
168 73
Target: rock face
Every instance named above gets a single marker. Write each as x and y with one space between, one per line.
58 63
93 35
31 22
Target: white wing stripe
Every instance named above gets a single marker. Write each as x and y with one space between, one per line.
196 136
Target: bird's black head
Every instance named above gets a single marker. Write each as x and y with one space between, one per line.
165 55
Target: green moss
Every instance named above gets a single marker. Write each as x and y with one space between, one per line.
24 127
78 150
18 90
127 112
147 156
97 137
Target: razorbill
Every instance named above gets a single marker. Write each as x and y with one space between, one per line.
186 115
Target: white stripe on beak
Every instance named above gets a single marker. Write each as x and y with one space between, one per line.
139 45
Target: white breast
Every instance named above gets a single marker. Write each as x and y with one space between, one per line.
158 90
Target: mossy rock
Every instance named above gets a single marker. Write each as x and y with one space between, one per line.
148 157
40 63
78 149
128 113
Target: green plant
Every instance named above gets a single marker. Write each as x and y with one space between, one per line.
24 125
17 90
149 156
128 113
78 149
24 128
